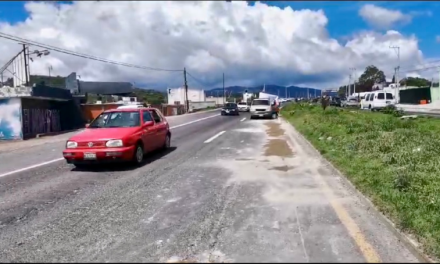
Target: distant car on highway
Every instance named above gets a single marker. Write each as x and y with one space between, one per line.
263 108
335 101
351 102
230 109
243 107
124 135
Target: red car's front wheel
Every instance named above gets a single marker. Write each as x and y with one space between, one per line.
138 156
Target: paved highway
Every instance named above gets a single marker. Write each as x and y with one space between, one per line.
230 190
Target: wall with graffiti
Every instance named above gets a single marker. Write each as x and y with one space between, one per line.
10 119
40 121
39 117
25 117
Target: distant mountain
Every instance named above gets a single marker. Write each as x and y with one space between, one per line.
292 91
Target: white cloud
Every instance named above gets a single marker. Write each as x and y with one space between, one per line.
250 44
383 18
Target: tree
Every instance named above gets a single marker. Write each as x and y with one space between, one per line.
342 90
54 81
371 76
411 81
149 96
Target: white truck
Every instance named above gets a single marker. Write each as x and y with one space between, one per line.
264 108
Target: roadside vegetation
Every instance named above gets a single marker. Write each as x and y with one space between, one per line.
394 161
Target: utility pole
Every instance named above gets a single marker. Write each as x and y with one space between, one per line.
348 87
26 66
186 90
50 68
354 79
224 92
396 78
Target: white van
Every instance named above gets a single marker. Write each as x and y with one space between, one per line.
263 108
377 100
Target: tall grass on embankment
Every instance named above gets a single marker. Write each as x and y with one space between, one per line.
395 162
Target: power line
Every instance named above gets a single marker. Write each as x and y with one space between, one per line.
421 64
423 69
82 55
204 84
195 79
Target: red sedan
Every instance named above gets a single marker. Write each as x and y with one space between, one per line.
119 135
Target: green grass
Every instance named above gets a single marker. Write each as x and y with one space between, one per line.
395 162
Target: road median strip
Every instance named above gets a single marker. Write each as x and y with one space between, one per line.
392 161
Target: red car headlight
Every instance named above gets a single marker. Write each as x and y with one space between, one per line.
71 144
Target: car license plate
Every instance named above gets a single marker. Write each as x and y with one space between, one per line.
261 115
90 156
227 111
388 102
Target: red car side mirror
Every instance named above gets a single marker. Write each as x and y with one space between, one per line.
148 124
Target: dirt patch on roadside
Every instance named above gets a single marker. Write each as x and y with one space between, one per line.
278 147
274 129
284 168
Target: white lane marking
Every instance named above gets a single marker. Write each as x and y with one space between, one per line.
194 121
214 137
243 119
59 159
30 167
201 112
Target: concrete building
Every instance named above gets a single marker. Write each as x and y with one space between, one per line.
28 111
247 96
177 95
217 100
197 99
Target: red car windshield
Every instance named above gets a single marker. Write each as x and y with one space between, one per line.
117 119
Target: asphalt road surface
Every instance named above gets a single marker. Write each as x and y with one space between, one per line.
229 190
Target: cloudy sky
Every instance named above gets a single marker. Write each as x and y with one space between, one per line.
286 43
